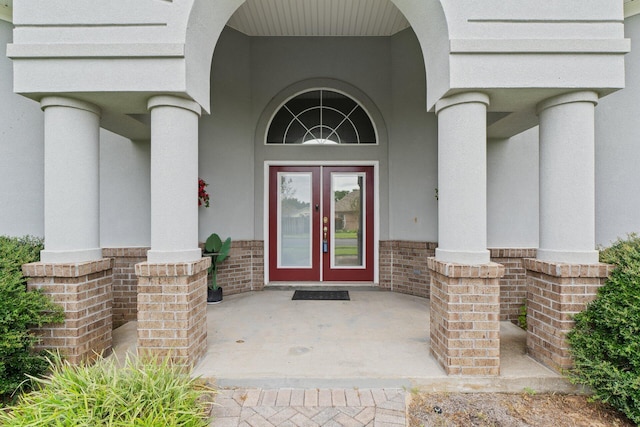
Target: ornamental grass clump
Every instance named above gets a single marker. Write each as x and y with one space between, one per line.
138 393
605 342
19 311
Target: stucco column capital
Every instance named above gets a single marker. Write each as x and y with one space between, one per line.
462 98
568 98
62 101
174 101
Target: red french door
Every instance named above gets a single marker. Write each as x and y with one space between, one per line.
321 223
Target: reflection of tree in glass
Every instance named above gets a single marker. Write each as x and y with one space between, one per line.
290 204
286 188
339 194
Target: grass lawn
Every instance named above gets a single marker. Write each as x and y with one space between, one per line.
346 234
346 250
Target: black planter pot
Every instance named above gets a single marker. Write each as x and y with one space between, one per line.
214 297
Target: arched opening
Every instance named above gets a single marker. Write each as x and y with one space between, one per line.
253 75
208 19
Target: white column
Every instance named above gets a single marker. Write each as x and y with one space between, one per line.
71 181
174 180
567 178
462 179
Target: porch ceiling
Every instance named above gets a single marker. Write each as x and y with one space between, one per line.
6 10
318 18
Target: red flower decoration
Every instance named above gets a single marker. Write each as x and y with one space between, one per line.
203 196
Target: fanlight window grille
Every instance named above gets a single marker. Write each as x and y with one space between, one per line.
321 117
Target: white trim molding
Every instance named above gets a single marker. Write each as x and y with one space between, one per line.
459 46
376 205
95 50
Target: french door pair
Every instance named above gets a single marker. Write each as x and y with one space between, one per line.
321 223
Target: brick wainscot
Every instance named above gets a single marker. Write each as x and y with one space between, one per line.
125 282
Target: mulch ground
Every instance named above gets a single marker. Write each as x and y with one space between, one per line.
510 410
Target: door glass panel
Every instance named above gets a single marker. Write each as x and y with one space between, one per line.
348 216
295 217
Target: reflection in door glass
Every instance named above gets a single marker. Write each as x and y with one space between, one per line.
348 219
295 216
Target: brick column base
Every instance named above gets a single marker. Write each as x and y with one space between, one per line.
555 293
172 310
84 290
465 317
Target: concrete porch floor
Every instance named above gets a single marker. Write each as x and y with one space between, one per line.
376 340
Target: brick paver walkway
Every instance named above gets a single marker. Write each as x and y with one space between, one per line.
310 408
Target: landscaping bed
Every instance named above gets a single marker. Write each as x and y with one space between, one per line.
510 410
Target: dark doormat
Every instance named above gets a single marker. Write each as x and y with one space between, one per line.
321 295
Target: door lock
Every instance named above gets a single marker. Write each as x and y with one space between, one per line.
325 244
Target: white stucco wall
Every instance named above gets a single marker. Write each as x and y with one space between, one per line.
618 151
226 143
124 175
413 150
512 191
408 139
125 191
21 154
362 64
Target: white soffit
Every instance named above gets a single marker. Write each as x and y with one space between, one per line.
318 18
631 7
6 10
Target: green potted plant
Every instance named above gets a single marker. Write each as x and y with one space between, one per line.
218 250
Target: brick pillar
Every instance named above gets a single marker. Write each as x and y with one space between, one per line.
555 293
465 317
84 290
172 310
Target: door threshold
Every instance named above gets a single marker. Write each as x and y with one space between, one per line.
322 286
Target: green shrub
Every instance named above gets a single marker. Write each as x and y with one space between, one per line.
105 394
522 316
605 342
19 310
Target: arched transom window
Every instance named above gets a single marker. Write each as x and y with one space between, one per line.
321 116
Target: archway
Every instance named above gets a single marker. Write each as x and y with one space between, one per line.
207 20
